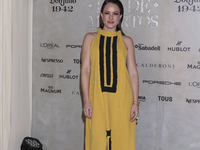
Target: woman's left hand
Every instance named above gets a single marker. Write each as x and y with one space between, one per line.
134 112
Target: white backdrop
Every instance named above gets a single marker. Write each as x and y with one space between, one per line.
16 72
166 37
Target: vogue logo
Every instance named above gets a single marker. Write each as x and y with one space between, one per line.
62 2
162 82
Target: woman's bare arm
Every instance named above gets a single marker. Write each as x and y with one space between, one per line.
85 73
133 73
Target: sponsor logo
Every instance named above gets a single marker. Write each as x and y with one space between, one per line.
165 98
191 66
62 2
76 93
49 60
188 5
50 89
147 48
45 75
150 65
74 46
178 48
194 84
62 7
77 61
49 45
162 82
190 2
141 98
192 100
69 76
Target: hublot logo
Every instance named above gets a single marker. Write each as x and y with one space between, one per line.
178 48
69 76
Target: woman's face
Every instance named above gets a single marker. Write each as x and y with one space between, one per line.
111 17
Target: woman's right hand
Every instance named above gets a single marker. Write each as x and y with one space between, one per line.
87 109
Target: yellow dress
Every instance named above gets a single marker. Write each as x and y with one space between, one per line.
110 93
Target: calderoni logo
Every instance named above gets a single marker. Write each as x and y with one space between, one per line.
73 46
45 75
151 65
194 84
143 47
50 90
50 60
49 45
151 82
192 100
165 98
62 2
178 48
76 93
191 66
69 76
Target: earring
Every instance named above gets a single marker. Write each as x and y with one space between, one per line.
118 25
101 23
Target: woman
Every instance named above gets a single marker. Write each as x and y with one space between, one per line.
109 80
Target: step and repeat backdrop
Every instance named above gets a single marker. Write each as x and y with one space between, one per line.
166 36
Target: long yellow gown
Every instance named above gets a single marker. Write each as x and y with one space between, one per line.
110 93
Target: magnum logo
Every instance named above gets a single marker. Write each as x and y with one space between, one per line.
108 63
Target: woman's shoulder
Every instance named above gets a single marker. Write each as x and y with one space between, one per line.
128 41
90 36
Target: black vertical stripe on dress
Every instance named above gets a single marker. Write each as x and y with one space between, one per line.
108 63
101 54
108 71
